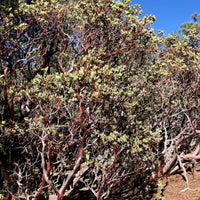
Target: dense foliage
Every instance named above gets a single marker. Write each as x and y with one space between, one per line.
90 95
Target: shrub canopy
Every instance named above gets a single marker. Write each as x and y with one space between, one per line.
90 95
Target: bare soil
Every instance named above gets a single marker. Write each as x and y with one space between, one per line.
176 188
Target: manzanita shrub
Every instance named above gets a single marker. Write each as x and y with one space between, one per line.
90 95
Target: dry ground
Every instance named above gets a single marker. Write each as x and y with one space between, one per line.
176 188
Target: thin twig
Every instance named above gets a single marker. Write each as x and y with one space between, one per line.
184 170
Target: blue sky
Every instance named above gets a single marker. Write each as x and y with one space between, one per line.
170 14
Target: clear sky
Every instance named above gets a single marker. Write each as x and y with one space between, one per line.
170 14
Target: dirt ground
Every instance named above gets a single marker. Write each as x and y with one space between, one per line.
176 188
